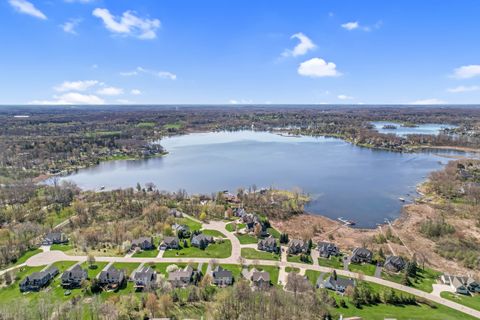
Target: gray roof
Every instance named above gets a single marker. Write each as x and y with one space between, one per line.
202 237
180 274
326 246
143 273
171 240
142 240
297 243
268 242
362 252
260 275
395 261
75 272
219 272
111 273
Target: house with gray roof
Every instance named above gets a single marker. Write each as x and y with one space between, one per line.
461 284
269 244
338 284
260 279
201 240
54 238
111 278
394 263
361 255
183 277
73 277
144 278
327 249
143 243
222 277
170 243
297 246
38 280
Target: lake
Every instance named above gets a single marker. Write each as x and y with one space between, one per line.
429 128
343 180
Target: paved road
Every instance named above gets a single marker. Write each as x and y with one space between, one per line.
48 257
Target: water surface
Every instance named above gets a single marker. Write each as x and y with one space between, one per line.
429 128
343 180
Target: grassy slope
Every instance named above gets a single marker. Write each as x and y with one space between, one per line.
253 254
468 301
216 250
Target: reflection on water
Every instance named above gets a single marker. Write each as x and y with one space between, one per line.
344 180
430 128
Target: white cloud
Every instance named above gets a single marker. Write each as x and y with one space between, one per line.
70 25
110 91
428 101
242 101
128 24
136 92
317 68
465 72
344 97
355 25
80 1
160 74
461 89
351 25
23 6
302 48
76 85
71 98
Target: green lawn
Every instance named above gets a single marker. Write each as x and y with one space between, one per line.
146 253
249 253
24 257
468 301
296 258
193 225
425 279
12 292
270 269
61 247
54 218
332 262
292 269
246 238
92 273
215 250
213 233
129 267
162 266
230 226
366 268
312 276
274 233
236 270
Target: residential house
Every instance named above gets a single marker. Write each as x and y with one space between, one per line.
394 263
73 277
222 277
111 278
327 249
260 279
38 280
201 240
297 283
361 255
461 284
143 243
144 278
54 238
269 244
170 243
297 246
182 231
183 277
176 213
335 283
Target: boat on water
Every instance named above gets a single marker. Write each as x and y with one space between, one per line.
346 221
401 199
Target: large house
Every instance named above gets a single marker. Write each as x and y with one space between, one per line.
394 264
260 279
170 243
111 278
38 280
73 277
269 245
182 231
361 255
222 277
297 246
335 283
143 243
54 238
144 278
461 284
182 277
327 249
201 240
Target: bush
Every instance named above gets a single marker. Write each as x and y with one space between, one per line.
436 228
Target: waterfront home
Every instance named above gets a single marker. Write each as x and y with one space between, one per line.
222 277
297 246
144 278
143 243
111 278
54 238
260 279
394 264
361 255
183 277
201 241
327 249
269 244
335 283
461 284
73 277
170 243
38 280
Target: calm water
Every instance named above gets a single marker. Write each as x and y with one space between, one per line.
431 128
343 180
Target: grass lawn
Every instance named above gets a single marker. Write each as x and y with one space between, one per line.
230 226
61 247
129 267
425 278
146 253
312 276
215 250
246 238
213 233
55 218
332 262
236 270
193 225
12 292
249 253
274 233
366 268
162 266
270 269
468 301
92 273
176 125
296 258
292 269
24 257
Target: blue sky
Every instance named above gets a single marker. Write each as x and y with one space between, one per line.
238 52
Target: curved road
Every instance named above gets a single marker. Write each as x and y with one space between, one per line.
48 257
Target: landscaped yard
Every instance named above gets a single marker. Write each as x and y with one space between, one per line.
129 267
236 270
270 269
61 247
292 269
231 226
468 301
193 225
146 254
12 292
366 268
274 233
246 238
162 266
215 250
332 262
213 233
312 276
92 273
425 278
253 254
296 258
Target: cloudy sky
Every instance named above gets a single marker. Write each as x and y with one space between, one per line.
239 52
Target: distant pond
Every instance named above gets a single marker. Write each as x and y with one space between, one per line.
343 180
399 130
